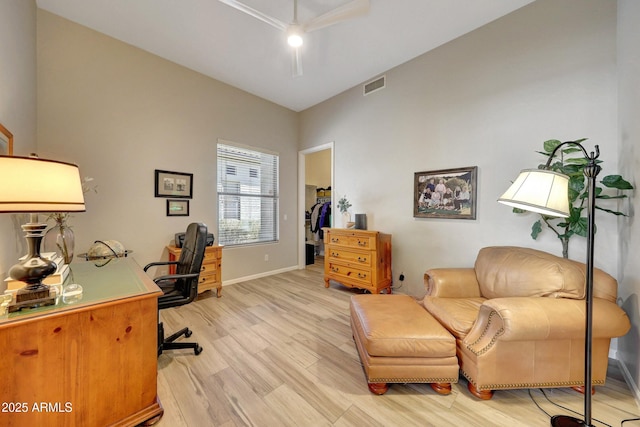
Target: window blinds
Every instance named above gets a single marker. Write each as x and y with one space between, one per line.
247 195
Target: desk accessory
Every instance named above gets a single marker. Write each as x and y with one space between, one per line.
33 186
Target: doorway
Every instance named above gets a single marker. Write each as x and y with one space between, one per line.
315 190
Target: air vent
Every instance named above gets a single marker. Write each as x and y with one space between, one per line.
374 85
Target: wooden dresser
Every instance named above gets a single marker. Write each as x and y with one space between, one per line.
211 272
358 259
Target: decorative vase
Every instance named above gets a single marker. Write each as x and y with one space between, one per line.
346 219
60 239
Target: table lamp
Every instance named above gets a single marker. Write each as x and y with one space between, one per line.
33 186
546 192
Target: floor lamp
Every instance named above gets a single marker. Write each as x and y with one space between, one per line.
546 192
32 185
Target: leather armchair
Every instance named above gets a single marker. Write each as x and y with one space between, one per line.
518 317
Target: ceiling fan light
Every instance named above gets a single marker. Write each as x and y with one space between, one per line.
295 40
294 36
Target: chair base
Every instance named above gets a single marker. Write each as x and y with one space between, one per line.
169 344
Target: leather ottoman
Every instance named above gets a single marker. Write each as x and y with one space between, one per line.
400 342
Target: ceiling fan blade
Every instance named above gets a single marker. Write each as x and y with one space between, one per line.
255 13
350 10
296 62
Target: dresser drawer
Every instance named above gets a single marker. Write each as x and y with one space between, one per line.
337 253
210 267
350 273
207 278
362 242
210 257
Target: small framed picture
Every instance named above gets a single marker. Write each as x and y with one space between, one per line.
447 193
6 141
177 207
174 184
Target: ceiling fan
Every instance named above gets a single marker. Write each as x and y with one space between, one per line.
295 30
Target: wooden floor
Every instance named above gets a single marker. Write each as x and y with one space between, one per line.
278 352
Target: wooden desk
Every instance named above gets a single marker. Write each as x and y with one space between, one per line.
93 363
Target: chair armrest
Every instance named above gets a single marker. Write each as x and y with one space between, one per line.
541 318
175 276
452 283
158 263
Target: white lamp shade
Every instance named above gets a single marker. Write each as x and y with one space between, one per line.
39 185
539 190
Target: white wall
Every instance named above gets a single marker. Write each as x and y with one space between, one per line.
120 113
17 106
629 111
488 99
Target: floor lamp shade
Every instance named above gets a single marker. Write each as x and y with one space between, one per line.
33 185
539 190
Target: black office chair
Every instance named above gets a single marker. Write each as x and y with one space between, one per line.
182 287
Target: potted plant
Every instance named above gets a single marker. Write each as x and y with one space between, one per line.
344 205
576 224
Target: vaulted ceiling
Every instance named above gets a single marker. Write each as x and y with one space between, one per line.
222 42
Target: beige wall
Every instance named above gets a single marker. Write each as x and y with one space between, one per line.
488 99
120 113
318 169
17 106
629 111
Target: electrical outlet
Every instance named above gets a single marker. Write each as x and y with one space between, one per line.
266 257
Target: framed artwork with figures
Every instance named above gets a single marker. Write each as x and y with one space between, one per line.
446 193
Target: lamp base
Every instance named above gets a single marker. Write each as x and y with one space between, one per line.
32 297
566 421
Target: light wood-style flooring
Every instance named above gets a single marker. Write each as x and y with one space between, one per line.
278 351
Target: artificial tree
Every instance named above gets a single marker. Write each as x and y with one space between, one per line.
573 166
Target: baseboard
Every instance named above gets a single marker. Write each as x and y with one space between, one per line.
259 275
628 378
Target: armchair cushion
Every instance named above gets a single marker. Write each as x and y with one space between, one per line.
457 315
522 272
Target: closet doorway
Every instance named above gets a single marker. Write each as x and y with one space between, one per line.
315 197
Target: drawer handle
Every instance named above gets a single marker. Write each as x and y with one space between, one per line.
335 254
335 269
360 243
360 259
334 240
362 276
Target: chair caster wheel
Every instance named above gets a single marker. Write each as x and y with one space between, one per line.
188 333
197 350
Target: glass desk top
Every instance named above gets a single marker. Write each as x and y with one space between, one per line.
116 279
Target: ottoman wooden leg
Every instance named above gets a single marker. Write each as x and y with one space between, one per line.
441 388
378 388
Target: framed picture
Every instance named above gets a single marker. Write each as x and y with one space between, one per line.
177 207
6 141
174 184
447 193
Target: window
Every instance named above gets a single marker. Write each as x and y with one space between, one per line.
247 195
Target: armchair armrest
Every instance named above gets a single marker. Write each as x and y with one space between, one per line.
541 318
452 283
